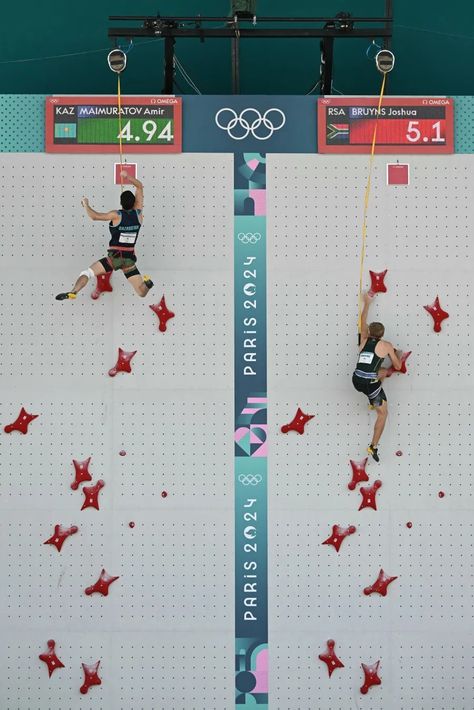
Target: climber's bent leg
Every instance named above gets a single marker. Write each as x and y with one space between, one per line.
381 410
83 279
141 284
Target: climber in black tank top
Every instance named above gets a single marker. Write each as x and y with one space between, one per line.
124 225
369 373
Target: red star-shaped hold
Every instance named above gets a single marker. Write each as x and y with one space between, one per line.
91 676
338 535
50 658
359 474
437 313
380 585
376 282
163 314
103 285
123 362
60 535
21 422
403 369
370 677
91 495
102 585
298 422
330 658
368 494
82 474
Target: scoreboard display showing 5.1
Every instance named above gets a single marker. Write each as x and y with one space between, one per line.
92 124
404 125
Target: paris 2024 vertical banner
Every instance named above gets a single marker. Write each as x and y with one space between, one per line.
250 348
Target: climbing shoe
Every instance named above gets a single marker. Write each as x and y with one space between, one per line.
64 296
373 452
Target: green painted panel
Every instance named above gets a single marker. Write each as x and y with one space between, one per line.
433 43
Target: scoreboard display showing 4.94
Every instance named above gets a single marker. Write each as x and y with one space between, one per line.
405 125
90 124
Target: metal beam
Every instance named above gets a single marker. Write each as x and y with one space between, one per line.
327 54
168 87
198 18
235 43
235 29
302 33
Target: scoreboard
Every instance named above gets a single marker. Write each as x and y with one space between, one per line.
405 125
90 124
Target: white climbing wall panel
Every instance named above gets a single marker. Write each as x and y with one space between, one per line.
164 634
423 631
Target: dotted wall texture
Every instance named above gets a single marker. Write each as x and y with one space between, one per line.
164 634
421 233
22 121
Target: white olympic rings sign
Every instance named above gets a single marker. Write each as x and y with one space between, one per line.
250 238
250 121
250 479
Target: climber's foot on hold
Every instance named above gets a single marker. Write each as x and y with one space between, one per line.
374 452
65 296
147 281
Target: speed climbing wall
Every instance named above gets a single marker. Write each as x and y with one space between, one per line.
164 634
161 439
422 631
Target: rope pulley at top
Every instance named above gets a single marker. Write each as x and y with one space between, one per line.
384 61
117 61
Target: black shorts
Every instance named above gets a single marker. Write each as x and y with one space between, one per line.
371 388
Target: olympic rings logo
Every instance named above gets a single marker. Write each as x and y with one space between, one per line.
249 121
250 479
249 238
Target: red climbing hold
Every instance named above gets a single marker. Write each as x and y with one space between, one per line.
50 658
164 494
102 585
122 453
82 473
298 422
131 524
330 658
441 494
91 495
91 676
338 535
123 362
21 422
380 585
359 474
368 494
103 285
398 453
163 313
409 524
403 369
60 535
376 282
437 313
370 677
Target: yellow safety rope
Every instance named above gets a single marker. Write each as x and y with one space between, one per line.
119 102
366 207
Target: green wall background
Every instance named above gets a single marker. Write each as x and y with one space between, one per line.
433 43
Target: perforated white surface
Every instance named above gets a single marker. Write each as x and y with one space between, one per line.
423 631
164 634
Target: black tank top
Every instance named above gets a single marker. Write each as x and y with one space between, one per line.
368 361
124 235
